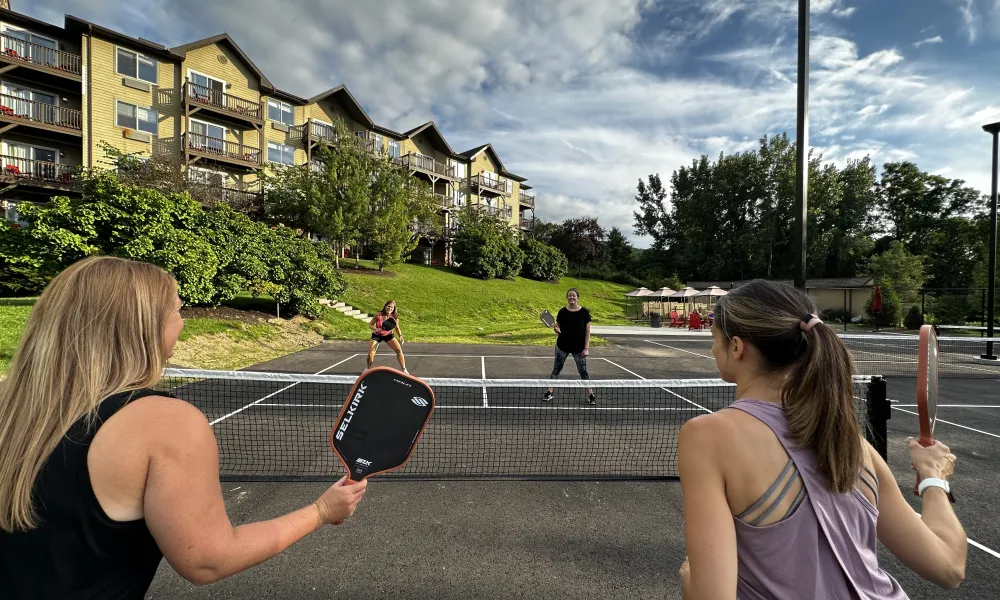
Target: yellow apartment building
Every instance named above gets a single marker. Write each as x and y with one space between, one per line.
66 91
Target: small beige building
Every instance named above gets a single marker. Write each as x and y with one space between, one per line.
844 293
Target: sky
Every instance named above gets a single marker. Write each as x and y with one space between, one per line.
585 98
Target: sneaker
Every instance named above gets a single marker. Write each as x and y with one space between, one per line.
547 397
591 399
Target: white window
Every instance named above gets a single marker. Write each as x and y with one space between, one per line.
280 153
394 150
208 89
459 168
281 112
137 117
207 137
24 44
135 65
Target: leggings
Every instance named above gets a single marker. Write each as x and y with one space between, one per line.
579 358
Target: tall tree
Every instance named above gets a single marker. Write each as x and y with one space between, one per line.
581 240
401 208
653 217
619 251
330 197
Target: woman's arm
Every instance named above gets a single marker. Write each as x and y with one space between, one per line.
709 533
934 546
586 341
371 324
185 512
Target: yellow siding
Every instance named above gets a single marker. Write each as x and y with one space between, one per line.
241 81
106 89
329 111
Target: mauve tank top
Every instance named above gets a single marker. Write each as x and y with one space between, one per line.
827 548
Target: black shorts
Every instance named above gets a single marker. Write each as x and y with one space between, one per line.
382 338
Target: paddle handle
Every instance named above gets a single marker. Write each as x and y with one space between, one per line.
925 442
348 482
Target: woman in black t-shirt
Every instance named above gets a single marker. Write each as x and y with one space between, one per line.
573 329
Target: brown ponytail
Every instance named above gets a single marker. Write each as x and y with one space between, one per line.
817 394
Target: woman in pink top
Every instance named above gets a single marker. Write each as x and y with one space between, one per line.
379 334
783 497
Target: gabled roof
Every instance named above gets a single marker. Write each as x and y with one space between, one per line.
15 18
354 107
225 39
436 136
471 154
77 25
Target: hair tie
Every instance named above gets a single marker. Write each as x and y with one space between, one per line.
808 322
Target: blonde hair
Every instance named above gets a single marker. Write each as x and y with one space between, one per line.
817 392
96 330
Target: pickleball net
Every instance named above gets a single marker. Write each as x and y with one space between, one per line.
276 426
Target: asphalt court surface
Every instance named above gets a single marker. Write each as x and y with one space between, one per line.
510 539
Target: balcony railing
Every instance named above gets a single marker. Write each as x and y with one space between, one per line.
527 223
493 183
445 200
30 52
221 100
527 200
39 112
501 212
222 148
318 132
26 169
428 165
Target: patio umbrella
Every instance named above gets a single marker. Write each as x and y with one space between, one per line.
662 294
684 294
709 295
639 293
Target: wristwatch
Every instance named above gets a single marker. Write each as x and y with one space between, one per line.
934 482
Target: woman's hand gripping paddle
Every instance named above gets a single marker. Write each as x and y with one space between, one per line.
381 422
927 388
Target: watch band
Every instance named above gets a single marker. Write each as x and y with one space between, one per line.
934 482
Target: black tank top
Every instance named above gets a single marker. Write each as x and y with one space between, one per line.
77 552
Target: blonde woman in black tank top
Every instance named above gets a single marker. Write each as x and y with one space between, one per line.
100 476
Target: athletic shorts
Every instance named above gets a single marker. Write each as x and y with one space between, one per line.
381 338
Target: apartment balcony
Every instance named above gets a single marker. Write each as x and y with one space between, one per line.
40 117
527 224
26 172
245 201
219 103
500 212
223 151
491 185
526 200
428 166
445 201
317 133
16 53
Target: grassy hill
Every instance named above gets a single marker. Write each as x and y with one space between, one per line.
436 304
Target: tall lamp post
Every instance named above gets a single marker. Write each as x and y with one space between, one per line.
802 150
991 276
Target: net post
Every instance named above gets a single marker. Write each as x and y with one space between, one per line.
879 412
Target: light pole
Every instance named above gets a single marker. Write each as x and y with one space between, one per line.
802 149
991 275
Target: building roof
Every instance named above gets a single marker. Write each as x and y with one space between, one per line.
40 26
354 107
473 153
834 283
224 38
77 25
431 129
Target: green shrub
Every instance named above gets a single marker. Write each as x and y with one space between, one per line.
213 253
913 319
486 247
892 309
542 262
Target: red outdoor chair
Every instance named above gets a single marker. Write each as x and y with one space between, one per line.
675 320
695 322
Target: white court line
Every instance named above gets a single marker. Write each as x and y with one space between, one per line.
287 387
679 349
664 389
546 357
949 405
953 424
983 548
485 403
606 408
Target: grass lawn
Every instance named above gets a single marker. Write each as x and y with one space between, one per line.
436 304
13 317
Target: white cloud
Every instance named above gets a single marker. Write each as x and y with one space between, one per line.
932 40
966 8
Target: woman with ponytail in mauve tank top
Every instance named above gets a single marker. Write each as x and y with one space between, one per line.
783 497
